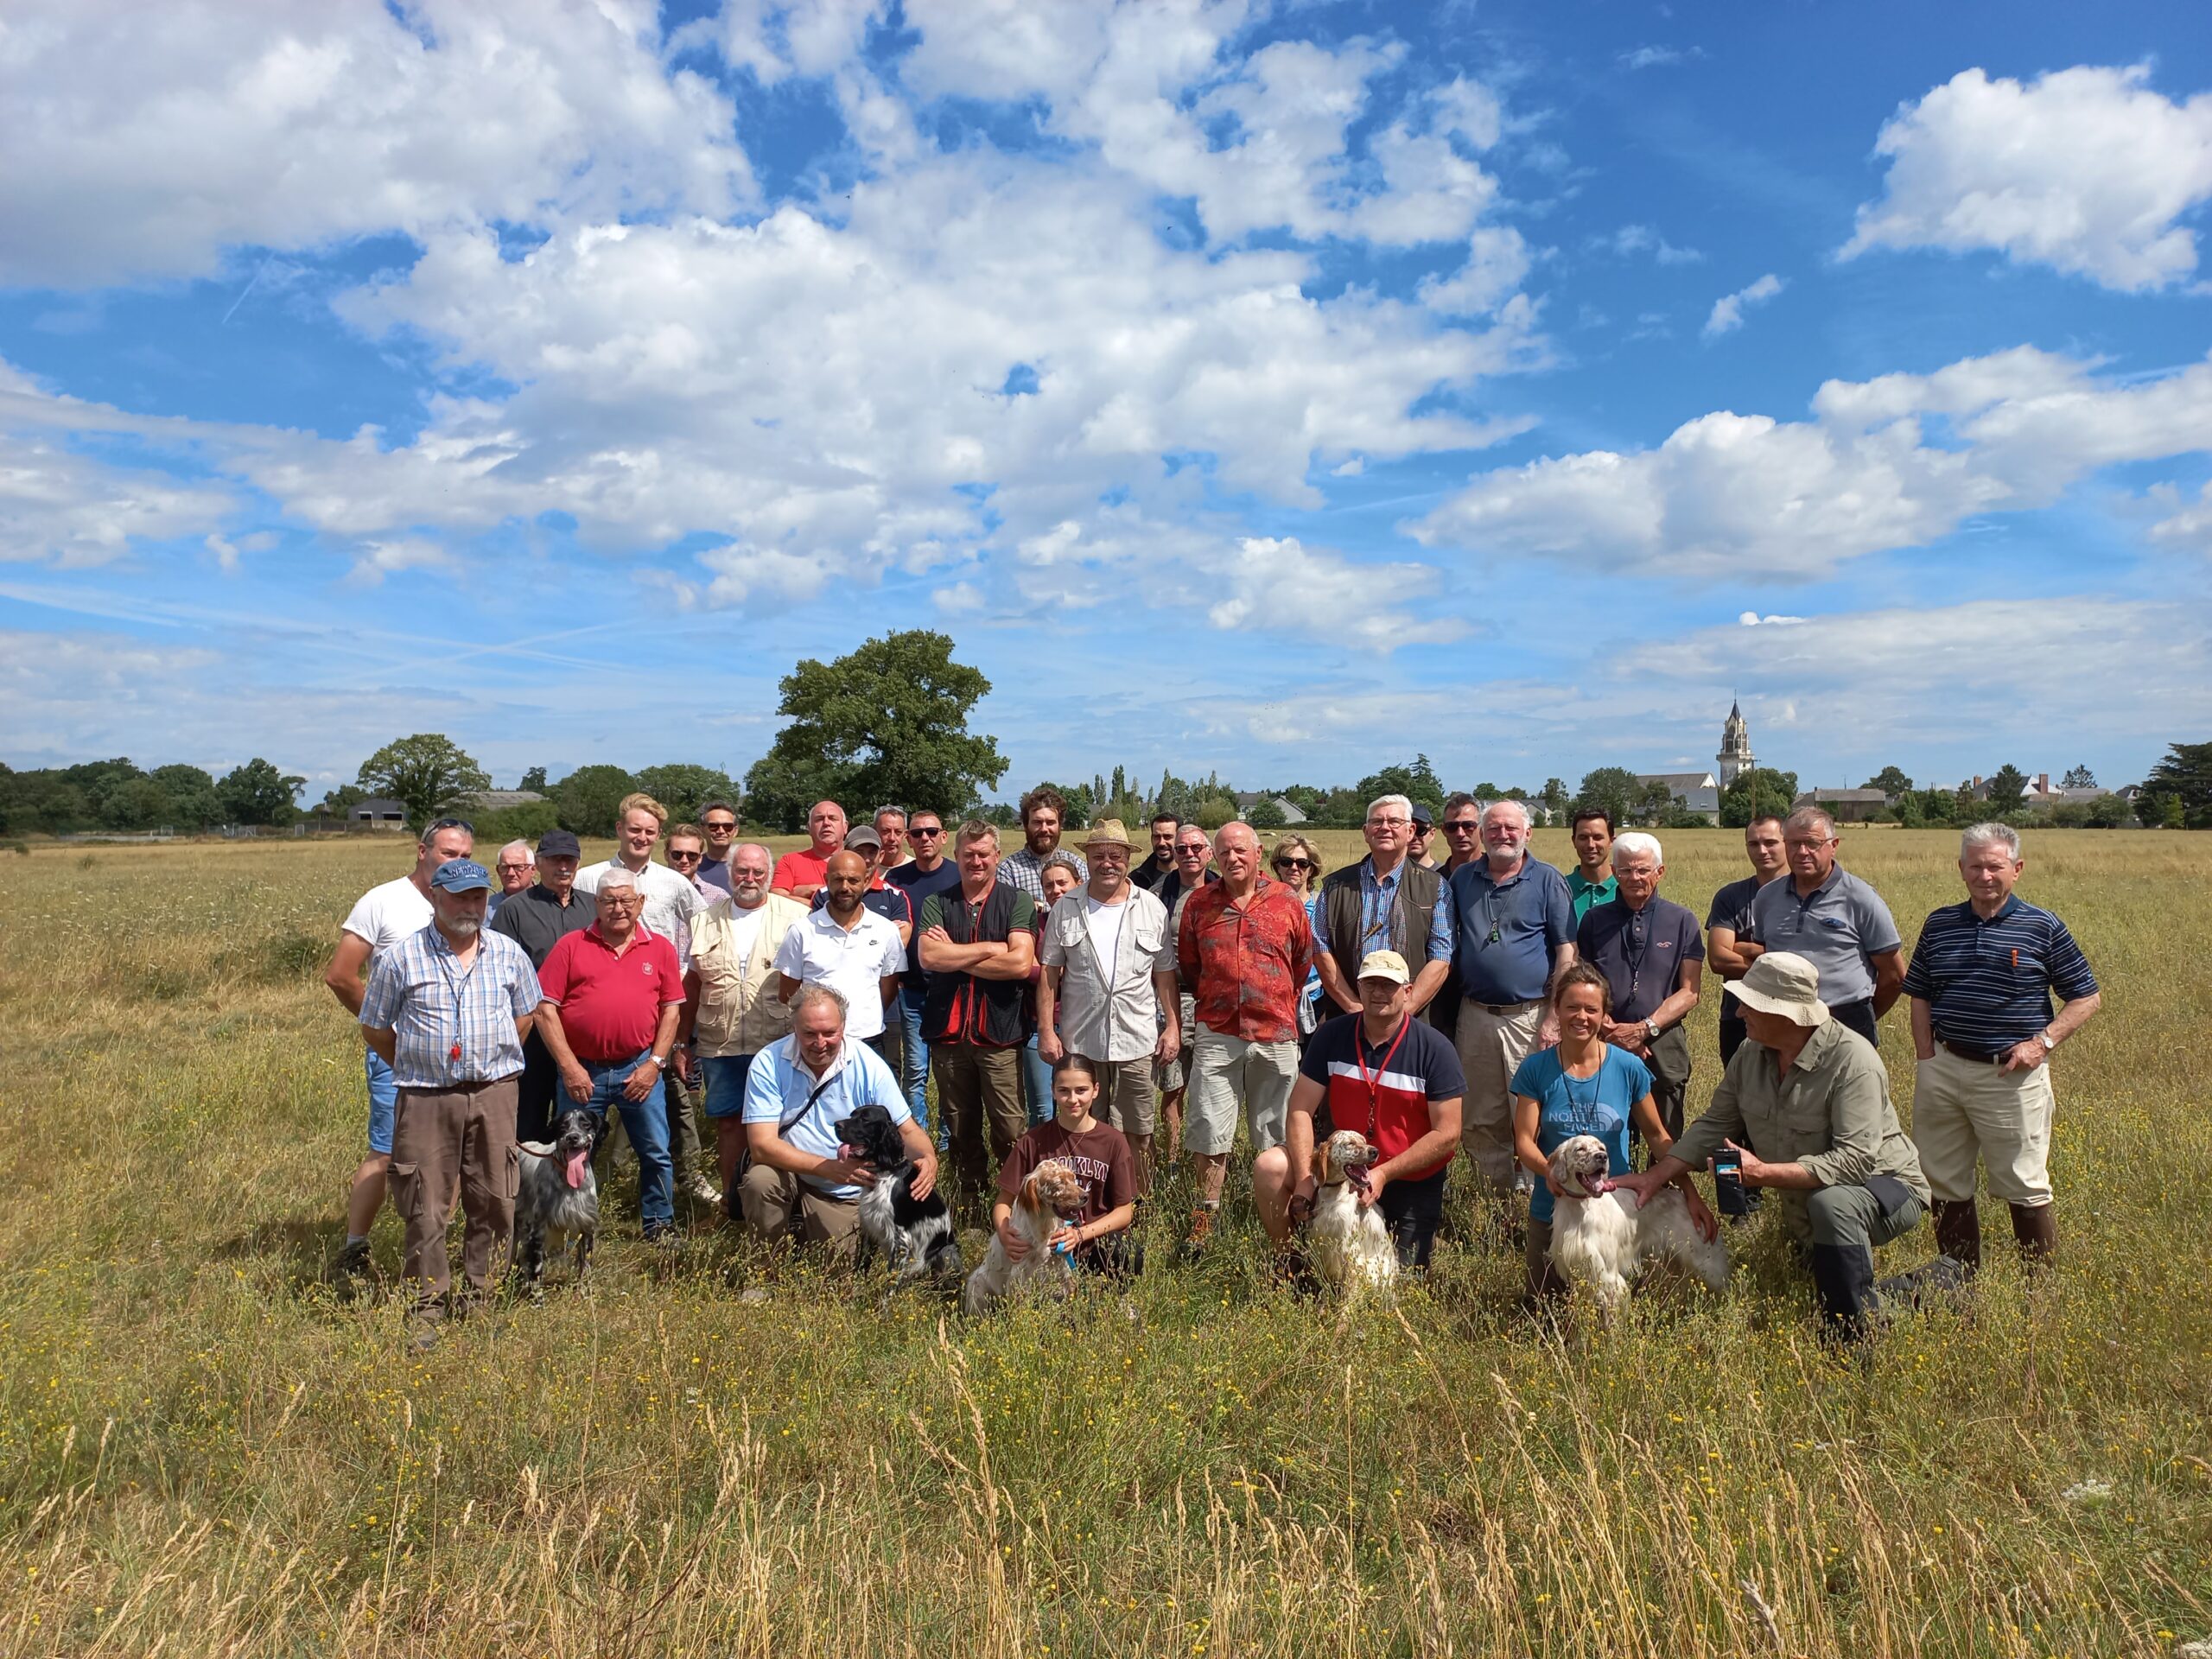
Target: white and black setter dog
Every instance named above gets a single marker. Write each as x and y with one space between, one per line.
559 1193
915 1235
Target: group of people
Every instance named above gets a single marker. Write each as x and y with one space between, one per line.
1080 997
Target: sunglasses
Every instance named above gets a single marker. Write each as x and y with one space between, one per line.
1294 863
449 823
927 830
1462 827
685 858
711 824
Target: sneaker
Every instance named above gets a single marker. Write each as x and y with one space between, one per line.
665 1237
704 1191
352 1261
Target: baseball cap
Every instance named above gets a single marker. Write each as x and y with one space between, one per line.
862 834
1422 816
461 876
1385 964
559 843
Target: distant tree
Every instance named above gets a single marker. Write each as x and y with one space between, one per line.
2007 787
134 803
534 778
1213 811
1306 798
1417 783
258 793
1890 781
428 772
2107 813
2078 778
193 802
341 799
886 722
2182 781
1764 790
1264 814
585 800
525 821
1554 800
1652 803
1614 788
684 789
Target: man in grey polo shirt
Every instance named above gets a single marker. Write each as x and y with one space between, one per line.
1516 932
1835 921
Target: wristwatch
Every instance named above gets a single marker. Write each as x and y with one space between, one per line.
2043 1037
657 1061
1651 1031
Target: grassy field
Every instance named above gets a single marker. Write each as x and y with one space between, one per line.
204 1450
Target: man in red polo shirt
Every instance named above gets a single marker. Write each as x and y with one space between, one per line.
614 995
802 874
1397 1081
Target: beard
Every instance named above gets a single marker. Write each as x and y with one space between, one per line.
467 927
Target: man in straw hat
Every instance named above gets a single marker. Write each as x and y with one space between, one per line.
1805 1104
1109 976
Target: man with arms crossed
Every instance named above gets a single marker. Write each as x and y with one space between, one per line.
799 875
927 872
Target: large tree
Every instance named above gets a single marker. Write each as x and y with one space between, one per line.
685 788
885 722
534 778
2078 778
587 797
1418 782
1762 790
1614 788
1890 781
428 772
192 801
2006 789
2181 785
258 793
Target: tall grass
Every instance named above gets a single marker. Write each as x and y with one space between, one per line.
205 1449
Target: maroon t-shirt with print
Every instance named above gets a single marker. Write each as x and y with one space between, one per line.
1099 1156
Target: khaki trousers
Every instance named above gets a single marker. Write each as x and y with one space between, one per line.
978 1087
778 1205
686 1102
1964 1111
1126 1097
1491 1047
467 1131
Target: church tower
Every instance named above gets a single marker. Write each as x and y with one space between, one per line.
1735 756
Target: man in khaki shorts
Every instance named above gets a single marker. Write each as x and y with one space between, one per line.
1981 981
1109 983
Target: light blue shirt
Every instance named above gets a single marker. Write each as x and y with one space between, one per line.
1378 898
779 1085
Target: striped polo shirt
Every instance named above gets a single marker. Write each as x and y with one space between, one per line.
1988 983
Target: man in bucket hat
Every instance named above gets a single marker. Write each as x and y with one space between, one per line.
1108 959
1805 1104
448 1011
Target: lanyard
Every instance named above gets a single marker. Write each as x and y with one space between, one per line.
1374 1085
459 992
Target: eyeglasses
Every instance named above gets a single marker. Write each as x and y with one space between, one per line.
1385 824
675 857
512 869
1462 826
731 824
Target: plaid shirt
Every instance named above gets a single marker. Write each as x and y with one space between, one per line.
1244 965
421 992
1024 870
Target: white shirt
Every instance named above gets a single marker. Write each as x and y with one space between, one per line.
671 901
1105 922
744 928
388 914
817 952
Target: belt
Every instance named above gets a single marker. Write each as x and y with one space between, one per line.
1979 1056
1511 1008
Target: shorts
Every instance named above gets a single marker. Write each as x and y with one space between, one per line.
1173 1076
1230 1071
1126 1099
384 1104
725 1075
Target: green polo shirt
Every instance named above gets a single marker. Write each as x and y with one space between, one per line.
1830 1112
1585 892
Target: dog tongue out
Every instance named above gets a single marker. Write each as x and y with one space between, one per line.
575 1171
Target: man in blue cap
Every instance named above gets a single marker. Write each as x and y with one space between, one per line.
447 1009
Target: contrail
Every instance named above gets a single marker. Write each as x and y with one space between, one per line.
243 292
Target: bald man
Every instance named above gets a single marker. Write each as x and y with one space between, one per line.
848 947
802 874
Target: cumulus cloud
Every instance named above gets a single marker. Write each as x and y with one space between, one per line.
1753 619
143 142
1749 497
2087 170
59 505
1727 313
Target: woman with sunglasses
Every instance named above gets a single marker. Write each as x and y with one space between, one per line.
1297 865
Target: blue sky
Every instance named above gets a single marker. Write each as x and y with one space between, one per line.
1268 390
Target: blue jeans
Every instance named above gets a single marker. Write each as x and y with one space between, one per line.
725 1075
1036 1083
646 1123
383 1103
914 1054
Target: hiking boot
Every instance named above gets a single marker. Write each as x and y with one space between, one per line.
1194 1241
1944 1276
702 1190
665 1237
2035 1231
352 1261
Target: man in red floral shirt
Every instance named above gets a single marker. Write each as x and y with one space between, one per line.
1244 948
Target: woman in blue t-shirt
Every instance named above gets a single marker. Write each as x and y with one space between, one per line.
1583 1086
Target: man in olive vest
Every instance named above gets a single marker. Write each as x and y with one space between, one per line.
977 943
1388 901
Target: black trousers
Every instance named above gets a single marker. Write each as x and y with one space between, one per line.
540 1082
1860 1017
1411 1211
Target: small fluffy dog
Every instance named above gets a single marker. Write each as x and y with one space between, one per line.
559 1194
1348 1245
1050 1194
1601 1239
914 1234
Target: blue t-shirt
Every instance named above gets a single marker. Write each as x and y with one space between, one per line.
919 885
1568 1106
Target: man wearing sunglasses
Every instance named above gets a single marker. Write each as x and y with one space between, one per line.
719 820
928 872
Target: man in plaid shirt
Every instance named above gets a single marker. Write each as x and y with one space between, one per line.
447 1009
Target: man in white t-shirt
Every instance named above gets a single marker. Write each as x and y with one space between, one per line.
1109 957
848 947
385 915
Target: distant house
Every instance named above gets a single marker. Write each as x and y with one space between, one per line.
377 813
498 800
1844 805
1694 791
2040 791
1248 800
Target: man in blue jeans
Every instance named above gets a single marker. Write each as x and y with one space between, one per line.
928 872
613 995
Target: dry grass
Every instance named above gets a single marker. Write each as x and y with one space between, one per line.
204 1451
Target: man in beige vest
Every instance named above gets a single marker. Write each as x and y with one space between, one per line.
732 1010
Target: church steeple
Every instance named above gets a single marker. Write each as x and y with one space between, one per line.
1735 756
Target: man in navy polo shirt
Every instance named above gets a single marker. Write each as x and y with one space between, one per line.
1652 955
1981 981
1396 1080
1835 921
1516 931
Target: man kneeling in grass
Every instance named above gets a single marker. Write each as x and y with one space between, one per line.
1096 1240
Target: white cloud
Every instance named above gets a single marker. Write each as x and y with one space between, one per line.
143 140
1753 619
58 505
1497 263
1748 496
1642 239
2087 170
1655 57
2184 526
1727 313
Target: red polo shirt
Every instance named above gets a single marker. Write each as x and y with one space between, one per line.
804 867
610 1005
